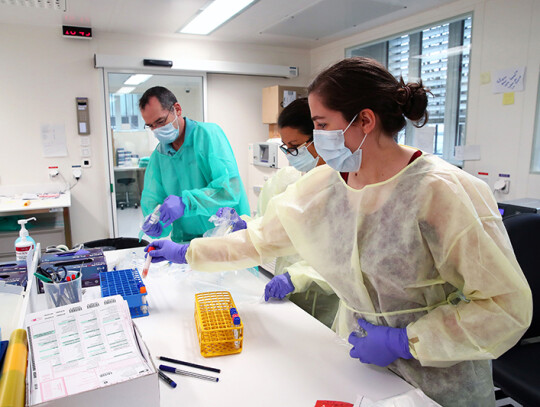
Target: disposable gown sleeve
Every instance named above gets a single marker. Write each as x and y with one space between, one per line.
153 192
303 276
224 187
264 239
276 185
497 308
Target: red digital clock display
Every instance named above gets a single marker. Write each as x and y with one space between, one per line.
79 32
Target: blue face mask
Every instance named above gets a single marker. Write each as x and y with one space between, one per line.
168 133
303 161
330 145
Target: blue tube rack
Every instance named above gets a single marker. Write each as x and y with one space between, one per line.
126 283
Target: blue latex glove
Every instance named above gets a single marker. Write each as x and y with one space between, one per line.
154 230
278 287
167 250
171 209
381 345
237 222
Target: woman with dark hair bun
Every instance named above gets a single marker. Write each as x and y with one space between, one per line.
414 247
430 262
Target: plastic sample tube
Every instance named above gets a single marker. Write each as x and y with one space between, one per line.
144 307
147 262
150 220
12 383
236 323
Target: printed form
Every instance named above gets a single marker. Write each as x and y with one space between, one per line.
80 347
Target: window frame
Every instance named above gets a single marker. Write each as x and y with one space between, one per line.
454 133
535 150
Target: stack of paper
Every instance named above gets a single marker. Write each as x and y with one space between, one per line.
81 347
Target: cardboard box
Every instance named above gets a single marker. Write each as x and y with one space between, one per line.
90 262
140 392
71 255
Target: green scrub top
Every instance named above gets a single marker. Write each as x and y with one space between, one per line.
203 172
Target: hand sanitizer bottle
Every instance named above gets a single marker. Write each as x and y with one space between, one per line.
24 244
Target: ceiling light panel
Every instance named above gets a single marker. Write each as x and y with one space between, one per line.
125 89
214 15
314 22
137 79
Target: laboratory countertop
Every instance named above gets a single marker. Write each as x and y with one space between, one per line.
288 357
17 205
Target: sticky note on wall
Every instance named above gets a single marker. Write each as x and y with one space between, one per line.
508 98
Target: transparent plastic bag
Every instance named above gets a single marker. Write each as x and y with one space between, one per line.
224 224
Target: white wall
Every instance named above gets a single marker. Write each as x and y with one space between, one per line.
43 73
506 34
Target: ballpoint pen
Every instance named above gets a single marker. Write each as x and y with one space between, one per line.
186 373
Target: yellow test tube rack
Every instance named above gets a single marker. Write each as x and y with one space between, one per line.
217 333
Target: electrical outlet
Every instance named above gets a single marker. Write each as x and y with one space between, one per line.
76 171
502 185
53 172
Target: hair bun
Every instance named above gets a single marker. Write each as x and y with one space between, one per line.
413 100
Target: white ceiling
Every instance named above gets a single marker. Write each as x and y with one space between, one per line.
286 23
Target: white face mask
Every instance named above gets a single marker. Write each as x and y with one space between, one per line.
330 144
168 133
303 161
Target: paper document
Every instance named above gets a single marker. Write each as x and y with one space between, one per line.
53 140
80 347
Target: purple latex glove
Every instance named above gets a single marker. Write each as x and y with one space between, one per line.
167 250
237 222
278 287
154 230
171 209
381 345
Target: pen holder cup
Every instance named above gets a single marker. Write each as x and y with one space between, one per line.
58 294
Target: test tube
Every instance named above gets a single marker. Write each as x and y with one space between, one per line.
236 324
144 307
147 262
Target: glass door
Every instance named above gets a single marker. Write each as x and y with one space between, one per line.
130 144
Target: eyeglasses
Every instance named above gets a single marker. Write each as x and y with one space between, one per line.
159 122
293 150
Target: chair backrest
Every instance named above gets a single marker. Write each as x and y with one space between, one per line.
524 232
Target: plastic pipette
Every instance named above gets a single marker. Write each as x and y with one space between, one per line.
147 262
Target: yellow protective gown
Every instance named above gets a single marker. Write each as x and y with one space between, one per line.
425 249
311 292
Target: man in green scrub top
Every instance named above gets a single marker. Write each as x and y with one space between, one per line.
191 173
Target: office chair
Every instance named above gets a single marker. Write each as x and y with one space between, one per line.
517 372
126 182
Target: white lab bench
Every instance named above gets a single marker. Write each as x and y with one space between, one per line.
288 357
53 220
